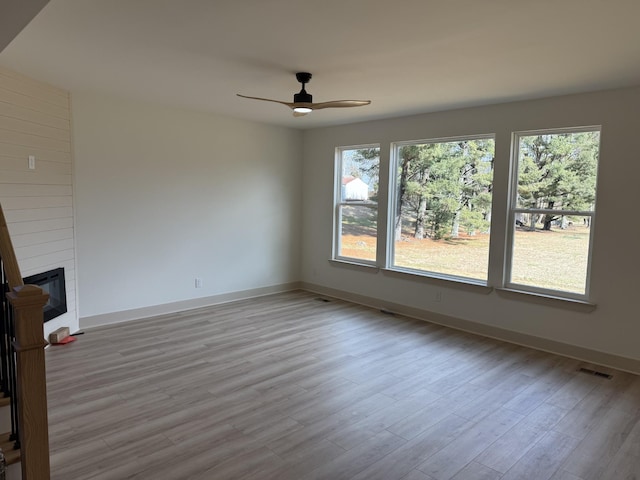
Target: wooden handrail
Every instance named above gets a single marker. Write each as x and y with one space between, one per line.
8 255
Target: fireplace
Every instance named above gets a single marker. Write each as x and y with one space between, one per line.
52 282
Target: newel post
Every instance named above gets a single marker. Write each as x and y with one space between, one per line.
28 302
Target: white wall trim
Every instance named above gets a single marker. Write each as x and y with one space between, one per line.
181 306
572 351
551 346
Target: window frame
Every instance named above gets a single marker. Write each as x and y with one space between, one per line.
513 210
501 246
394 164
338 205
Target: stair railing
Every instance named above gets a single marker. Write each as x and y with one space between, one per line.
8 372
25 344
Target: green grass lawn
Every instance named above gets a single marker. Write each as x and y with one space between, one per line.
555 259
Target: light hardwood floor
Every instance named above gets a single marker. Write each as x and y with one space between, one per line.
288 387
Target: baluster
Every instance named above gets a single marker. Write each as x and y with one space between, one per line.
7 354
4 339
13 379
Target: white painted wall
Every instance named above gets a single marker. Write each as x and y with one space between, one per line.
613 327
167 195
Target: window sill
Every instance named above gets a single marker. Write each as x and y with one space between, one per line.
454 282
548 300
355 265
471 285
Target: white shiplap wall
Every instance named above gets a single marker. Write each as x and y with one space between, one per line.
38 204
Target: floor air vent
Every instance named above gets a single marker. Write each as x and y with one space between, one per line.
595 372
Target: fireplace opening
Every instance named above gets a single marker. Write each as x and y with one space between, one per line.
52 282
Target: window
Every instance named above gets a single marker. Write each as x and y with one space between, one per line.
438 219
442 207
552 211
356 212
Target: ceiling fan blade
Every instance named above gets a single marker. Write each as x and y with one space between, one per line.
288 104
341 104
303 102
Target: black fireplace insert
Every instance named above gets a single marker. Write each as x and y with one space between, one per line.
52 282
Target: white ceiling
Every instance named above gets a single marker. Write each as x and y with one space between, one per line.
406 56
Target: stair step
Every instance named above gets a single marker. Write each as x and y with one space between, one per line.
10 455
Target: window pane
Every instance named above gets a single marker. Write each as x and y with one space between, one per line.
553 259
358 227
359 179
558 171
443 207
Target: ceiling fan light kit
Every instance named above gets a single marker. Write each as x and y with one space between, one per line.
303 102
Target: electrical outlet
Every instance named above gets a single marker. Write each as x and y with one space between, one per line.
198 282
32 162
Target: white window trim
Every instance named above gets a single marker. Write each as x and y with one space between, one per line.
393 204
338 204
501 266
513 209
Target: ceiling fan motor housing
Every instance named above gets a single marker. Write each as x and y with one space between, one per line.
302 97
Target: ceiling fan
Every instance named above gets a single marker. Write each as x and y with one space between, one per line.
303 102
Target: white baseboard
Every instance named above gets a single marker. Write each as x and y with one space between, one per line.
573 351
166 308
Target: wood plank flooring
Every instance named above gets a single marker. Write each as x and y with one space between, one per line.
288 387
